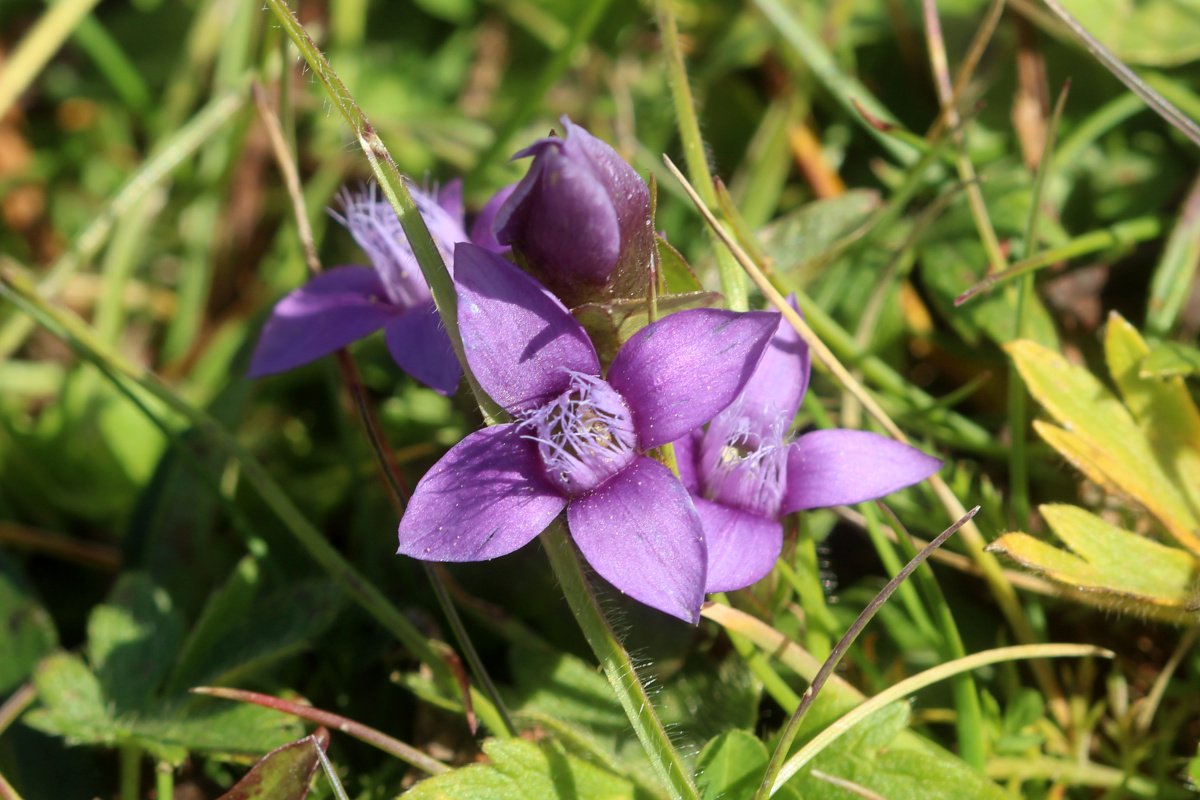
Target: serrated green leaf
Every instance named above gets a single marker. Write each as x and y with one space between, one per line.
72 701
1169 360
132 641
520 770
1106 559
731 765
1101 437
26 631
285 773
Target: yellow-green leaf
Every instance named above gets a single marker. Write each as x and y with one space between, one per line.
1102 437
1169 360
1105 558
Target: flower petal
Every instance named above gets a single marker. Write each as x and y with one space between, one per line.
479 501
781 378
686 448
742 547
840 467
678 373
332 310
419 344
640 532
450 198
483 229
520 341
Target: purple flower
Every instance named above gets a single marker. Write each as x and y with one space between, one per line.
744 475
580 218
578 441
344 304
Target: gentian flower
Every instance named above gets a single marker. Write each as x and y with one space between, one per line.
744 474
344 304
580 218
579 440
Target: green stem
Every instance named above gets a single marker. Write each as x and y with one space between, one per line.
617 665
130 771
164 781
733 280
806 580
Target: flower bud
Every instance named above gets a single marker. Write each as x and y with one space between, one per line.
580 218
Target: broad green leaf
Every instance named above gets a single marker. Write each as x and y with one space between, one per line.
794 240
731 765
880 759
520 770
72 703
1161 33
225 605
26 631
610 324
132 641
1105 558
676 274
1169 360
1164 409
285 773
1101 437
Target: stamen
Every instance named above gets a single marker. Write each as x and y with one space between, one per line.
584 436
743 460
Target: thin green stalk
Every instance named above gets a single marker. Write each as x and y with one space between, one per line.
121 73
1176 269
966 170
968 722
1124 233
130 772
38 46
788 735
339 791
733 280
858 714
907 593
618 667
806 580
1018 462
761 668
164 780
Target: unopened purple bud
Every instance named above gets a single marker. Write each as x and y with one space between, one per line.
585 436
580 215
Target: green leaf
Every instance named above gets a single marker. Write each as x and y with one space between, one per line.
792 242
285 773
1161 33
520 770
610 324
731 765
676 273
132 641
878 757
1100 559
1169 360
1100 437
26 631
72 701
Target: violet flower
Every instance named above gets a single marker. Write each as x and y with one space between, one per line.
744 475
580 218
344 304
579 440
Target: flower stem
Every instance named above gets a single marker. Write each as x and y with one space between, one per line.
130 772
733 280
617 665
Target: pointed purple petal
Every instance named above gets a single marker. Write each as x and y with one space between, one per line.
332 310
781 378
686 451
520 341
641 533
677 373
742 547
483 229
840 467
450 198
419 344
477 503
